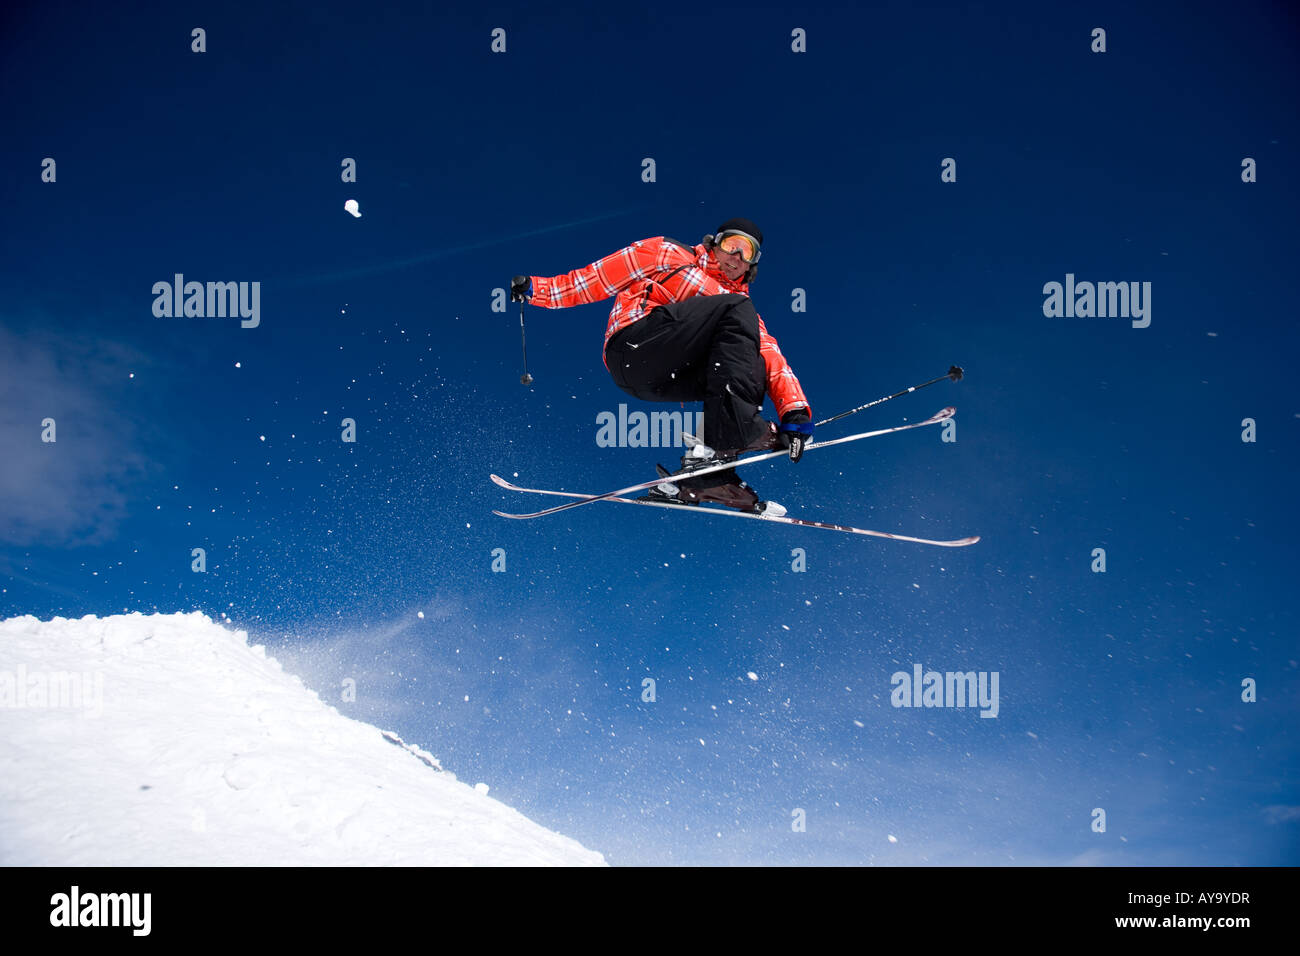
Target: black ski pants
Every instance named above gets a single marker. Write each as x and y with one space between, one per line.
705 348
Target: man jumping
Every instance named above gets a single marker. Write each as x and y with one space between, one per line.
683 329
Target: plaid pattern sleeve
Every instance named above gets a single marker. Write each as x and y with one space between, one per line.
787 394
603 278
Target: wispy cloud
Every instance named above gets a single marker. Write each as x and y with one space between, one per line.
74 490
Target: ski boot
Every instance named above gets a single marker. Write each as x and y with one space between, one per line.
698 453
723 487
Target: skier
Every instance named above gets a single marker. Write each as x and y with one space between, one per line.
683 329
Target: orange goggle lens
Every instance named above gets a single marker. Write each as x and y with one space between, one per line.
741 244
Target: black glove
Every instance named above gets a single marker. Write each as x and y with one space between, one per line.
796 432
521 287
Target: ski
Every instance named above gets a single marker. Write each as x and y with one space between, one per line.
942 415
730 513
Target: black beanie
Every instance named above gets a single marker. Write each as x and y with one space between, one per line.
743 225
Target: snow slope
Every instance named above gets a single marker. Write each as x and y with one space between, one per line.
167 740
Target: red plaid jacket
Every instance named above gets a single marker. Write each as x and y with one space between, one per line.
638 277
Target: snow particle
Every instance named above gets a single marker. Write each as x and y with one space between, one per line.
753 676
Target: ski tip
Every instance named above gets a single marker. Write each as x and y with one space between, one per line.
945 413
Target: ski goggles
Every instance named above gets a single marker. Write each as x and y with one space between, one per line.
741 242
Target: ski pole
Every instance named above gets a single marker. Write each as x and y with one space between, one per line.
524 379
954 373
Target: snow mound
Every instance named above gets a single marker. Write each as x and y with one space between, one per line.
166 740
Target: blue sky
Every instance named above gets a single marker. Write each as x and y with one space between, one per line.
1118 690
